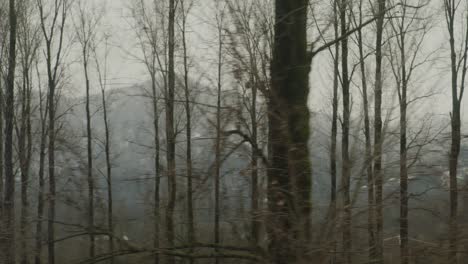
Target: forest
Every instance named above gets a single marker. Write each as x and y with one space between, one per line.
233 131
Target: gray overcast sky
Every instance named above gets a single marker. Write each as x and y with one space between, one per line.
125 71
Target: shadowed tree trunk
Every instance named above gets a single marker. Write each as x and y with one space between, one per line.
458 76
7 239
378 133
217 214
334 132
255 223
346 162
157 167
289 175
170 134
51 160
2 180
403 165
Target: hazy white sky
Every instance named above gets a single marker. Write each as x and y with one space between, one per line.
125 71
124 68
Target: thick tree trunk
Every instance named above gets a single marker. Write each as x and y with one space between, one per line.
157 170
404 251
453 164
455 139
289 177
254 203
334 133
378 133
52 188
2 180
217 180
7 239
403 184
346 163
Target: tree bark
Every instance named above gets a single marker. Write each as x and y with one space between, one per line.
7 239
52 186
255 222
217 179
346 166
334 133
157 166
170 134
450 10
289 177
378 133
2 167
404 251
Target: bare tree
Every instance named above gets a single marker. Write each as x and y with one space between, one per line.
152 34
334 130
101 68
262 53
53 20
217 169
367 134
170 133
85 28
8 237
43 112
458 68
409 35
28 43
346 162
185 7
249 45
378 129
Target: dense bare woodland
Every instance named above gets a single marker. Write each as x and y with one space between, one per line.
233 131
